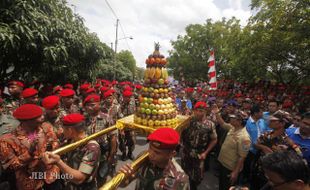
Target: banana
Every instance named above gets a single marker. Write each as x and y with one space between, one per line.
152 72
164 73
158 73
146 73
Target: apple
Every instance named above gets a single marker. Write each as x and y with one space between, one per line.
156 96
160 101
166 91
154 112
151 89
148 111
160 90
163 123
142 110
145 89
166 81
155 91
146 105
160 81
150 123
144 122
150 100
157 122
160 112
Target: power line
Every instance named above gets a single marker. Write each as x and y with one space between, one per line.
113 12
125 36
111 9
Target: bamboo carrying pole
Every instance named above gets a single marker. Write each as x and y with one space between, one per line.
72 146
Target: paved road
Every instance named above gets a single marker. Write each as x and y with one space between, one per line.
210 181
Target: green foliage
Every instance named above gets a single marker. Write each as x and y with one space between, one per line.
274 45
128 60
45 39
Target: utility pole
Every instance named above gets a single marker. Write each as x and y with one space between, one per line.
115 51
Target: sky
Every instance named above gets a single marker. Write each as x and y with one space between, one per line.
149 21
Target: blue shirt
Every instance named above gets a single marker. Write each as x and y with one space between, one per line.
266 120
179 103
303 143
255 129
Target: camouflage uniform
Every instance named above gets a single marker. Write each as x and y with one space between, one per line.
7 124
10 104
22 155
65 111
150 177
114 110
96 124
86 160
129 138
195 140
58 130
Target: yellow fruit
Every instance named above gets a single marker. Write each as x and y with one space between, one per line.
146 73
164 73
157 73
152 72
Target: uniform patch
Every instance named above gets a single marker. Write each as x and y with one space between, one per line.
246 144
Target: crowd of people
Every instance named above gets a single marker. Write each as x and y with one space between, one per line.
259 133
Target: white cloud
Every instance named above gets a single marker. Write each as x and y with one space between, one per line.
151 21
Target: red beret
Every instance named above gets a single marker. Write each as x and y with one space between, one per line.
92 98
97 85
84 87
1 101
104 88
73 119
67 92
27 111
50 102
29 92
189 90
164 138
57 88
201 105
138 86
108 93
127 93
90 90
127 88
114 82
239 95
18 83
70 86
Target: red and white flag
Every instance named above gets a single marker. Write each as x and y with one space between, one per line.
212 71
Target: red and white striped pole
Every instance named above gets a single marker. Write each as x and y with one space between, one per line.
212 71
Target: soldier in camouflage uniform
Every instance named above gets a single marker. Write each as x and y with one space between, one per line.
14 101
197 142
161 171
7 124
52 110
82 163
97 121
67 100
127 136
21 150
111 106
30 96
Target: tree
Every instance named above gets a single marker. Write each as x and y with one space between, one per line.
128 61
273 46
45 39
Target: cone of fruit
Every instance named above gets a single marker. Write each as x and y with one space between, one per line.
156 106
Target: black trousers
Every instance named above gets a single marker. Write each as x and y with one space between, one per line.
224 178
